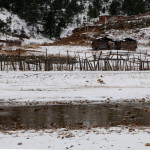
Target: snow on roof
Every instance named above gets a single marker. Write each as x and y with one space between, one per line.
112 38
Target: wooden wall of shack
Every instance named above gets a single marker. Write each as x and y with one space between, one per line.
103 19
101 44
126 44
109 44
110 19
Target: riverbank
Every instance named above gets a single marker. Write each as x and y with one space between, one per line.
113 138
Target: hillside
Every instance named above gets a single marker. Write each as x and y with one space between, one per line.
17 29
56 18
55 31
136 27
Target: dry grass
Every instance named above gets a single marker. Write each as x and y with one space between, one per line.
32 46
13 52
144 44
78 38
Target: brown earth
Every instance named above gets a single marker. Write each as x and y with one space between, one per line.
81 36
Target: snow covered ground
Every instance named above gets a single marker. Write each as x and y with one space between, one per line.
84 51
74 86
115 138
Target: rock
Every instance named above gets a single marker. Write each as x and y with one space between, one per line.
132 117
147 144
128 112
69 135
20 143
124 120
100 81
131 130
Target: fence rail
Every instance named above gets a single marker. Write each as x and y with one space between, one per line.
110 61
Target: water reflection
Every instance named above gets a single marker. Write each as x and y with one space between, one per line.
38 117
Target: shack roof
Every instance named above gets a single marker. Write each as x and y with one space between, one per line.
129 39
112 16
105 38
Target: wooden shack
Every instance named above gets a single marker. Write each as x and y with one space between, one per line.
110 19
105 43
126 44
103 19
102 43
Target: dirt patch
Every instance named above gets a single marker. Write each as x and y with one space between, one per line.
76 39
81 37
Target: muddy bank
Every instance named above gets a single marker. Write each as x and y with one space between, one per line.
74 116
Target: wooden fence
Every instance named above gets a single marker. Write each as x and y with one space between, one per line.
102 61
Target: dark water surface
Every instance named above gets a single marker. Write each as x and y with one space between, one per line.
74 116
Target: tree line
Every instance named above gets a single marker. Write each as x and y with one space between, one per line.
55 15
118 7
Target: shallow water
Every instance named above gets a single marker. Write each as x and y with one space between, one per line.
74 116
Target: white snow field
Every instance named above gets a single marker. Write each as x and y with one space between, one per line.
115 138
74 86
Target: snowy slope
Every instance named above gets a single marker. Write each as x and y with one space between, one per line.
16 26
16 22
